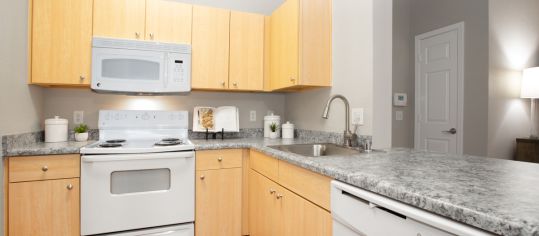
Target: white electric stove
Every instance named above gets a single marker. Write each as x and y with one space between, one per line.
138 179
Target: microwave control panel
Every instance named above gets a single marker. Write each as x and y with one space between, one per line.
179 69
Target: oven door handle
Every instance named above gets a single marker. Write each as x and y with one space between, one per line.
129 157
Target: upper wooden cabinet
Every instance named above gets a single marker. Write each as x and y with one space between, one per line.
120 18
301 45
159 20
246 51
168 21
210 48
60 46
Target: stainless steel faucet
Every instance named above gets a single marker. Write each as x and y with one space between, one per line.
348 135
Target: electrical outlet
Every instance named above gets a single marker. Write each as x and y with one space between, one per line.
78 117
252 116
357 116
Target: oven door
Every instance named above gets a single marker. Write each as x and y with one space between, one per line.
126 70
134 191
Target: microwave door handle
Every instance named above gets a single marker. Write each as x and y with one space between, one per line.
127 157
166 61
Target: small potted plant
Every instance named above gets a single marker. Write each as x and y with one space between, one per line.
81 133
274 128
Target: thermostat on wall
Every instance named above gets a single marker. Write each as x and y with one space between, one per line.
400 99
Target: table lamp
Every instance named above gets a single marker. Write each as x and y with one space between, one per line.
530 89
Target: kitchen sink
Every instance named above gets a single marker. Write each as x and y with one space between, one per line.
317 150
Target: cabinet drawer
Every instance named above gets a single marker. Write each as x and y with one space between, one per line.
311 186
43 167
218 159
265 165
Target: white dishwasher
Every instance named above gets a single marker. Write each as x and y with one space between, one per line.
357 212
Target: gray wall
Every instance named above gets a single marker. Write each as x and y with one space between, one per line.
63 102
428 15
514 43
352 72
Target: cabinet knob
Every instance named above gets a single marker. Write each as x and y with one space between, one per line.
220 159
45 168
82 77
292 79
202 177
235 84
137 35
151 36
69 186
279 196
271 191
223 83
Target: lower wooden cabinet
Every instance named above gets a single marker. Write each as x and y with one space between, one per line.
275 210
44 208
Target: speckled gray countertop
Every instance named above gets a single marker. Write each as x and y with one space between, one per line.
499 196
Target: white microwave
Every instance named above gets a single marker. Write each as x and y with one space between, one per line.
140 67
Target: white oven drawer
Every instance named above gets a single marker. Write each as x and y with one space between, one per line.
134 191
359 212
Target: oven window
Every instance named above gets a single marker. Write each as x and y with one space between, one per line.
136 181
131 69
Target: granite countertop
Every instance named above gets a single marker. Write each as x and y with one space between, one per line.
499 196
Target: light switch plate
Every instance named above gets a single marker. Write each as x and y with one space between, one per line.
357 116
399 115
78 117
252 116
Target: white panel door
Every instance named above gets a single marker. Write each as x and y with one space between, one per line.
438 81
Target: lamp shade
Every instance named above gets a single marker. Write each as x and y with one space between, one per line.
530 83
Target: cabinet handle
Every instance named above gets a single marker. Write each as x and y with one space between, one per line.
279 196
151 36
45 168
202 177
69 186
137 35
271 191
220 159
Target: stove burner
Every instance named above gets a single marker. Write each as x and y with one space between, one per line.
110 145
116 141
171 140
168 143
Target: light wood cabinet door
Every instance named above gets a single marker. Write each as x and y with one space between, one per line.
168 21
120 18
218 202
44 208
263 211
284 46
246 51
299 217
61 42
210 48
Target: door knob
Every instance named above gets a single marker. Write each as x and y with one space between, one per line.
451 131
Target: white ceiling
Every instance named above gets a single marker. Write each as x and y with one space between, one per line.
258 6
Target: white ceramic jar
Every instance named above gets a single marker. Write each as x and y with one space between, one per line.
288 130
56 130
268 120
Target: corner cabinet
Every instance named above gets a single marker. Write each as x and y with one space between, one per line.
300 48
43 195
60 42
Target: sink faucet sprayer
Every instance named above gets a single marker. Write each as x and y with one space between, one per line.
349 137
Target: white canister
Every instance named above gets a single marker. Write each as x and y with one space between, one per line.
268 120
55 130
288 130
